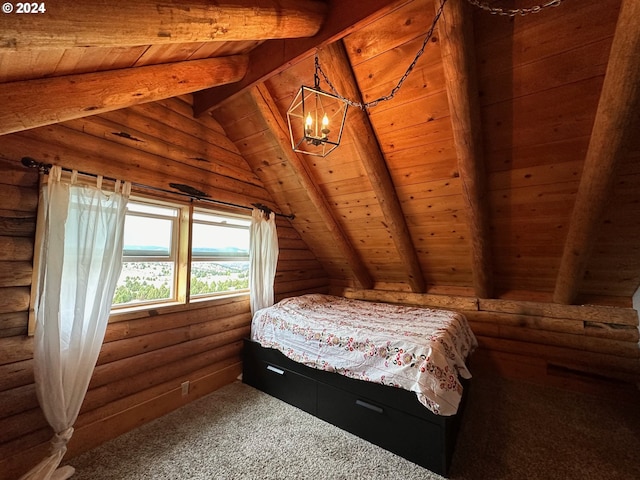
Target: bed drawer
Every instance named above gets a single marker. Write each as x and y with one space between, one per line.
391 429
279 381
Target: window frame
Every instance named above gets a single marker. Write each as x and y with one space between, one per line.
182 237
177 234
213 258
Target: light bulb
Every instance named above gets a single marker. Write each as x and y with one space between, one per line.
309 120
325 126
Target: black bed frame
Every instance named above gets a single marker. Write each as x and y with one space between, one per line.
389 417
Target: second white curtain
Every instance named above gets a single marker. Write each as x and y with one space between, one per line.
263 258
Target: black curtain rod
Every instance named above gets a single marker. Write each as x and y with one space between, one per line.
184 190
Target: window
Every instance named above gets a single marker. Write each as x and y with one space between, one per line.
155 265
219 254
150 253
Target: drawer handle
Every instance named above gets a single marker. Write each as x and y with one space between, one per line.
369 406
275 370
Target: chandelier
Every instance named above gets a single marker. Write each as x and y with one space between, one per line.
316 119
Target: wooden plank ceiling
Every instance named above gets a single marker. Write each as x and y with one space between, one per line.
503 168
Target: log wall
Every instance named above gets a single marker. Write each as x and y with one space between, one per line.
146 355
544 342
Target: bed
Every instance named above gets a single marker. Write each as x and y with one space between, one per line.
394 375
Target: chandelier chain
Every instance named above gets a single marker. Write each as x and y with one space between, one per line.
395 89
512 12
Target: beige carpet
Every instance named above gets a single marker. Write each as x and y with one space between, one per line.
511 430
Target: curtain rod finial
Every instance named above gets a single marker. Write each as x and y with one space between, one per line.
268 211
262 207
31 163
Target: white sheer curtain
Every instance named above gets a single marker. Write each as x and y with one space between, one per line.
81 229
263 258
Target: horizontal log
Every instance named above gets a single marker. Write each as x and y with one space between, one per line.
157 320
285 243
156 110
219 326
285 230
18 400
18 226
426 300
129 419
287 276
14 174
294 285
617 367
11 452
562 325
23 199
33 446
13 324
151 142
84 23
15 349
138 398
558 339
81 95
183 106
296 255
16 248
83 153
14 299
114 371
129 347
287 265
186 137
626 333
16 374
15 274
22 424
128 383
614 315
282 295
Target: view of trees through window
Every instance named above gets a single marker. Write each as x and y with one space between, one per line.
212 277
220 253
143 282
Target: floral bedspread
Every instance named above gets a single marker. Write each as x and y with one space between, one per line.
419 349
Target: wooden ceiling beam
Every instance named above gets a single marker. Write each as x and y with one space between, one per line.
87 23
35 103
272 117
275 56
334 59
615 118
458 59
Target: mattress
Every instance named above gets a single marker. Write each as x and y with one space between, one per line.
422 350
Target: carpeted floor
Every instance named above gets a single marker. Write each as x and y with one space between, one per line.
511 430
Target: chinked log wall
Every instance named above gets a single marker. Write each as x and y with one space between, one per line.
145 356
535 340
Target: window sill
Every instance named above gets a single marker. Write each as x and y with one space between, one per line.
143 311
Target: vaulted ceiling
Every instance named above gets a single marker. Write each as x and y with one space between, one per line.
505 166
